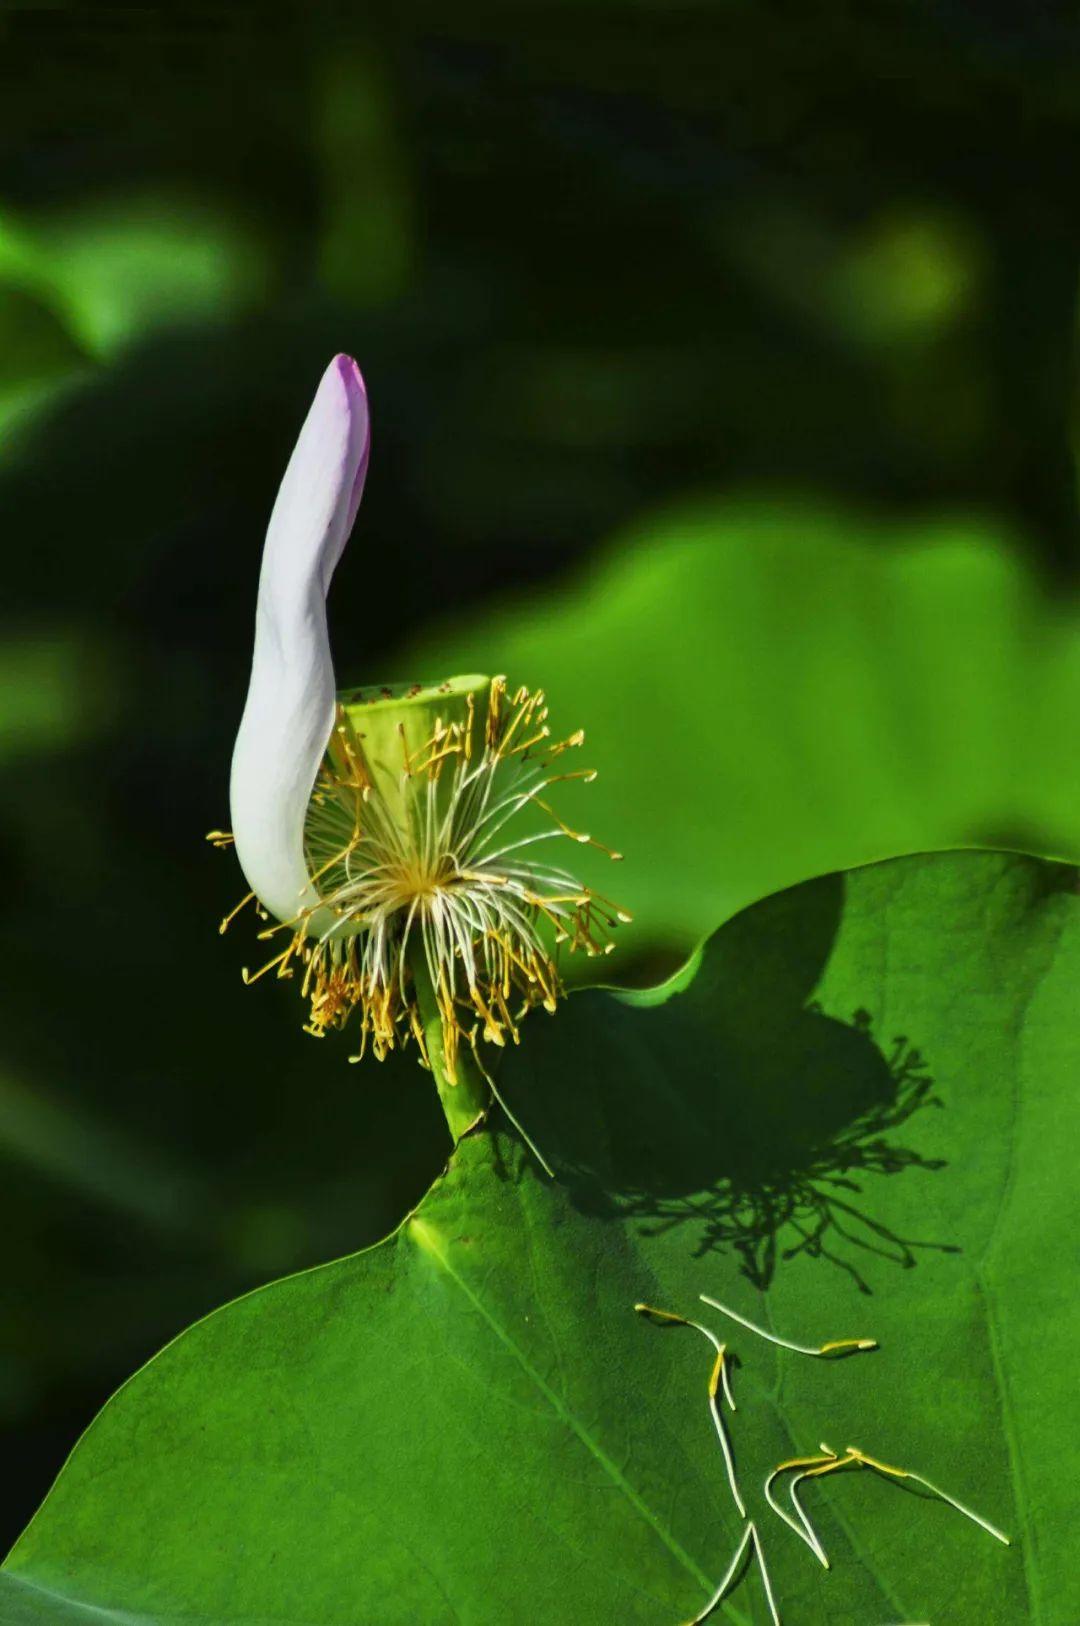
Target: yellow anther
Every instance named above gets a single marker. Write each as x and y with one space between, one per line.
438 868
866 1461
249 897
661 1315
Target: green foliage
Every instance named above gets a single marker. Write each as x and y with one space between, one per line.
116 272
853 1114
773 691
56 690
587 264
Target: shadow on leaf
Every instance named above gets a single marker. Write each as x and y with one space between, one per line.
800 1176
772 1119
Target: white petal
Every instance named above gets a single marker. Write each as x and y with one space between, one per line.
290 704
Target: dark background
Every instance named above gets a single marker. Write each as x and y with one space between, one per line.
591 257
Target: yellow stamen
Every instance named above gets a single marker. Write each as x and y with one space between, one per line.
427 860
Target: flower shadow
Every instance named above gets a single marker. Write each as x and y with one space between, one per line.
809 1186
732 1105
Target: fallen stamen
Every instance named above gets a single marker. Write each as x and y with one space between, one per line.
717 1377
836 1346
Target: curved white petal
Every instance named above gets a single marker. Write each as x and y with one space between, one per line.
290 703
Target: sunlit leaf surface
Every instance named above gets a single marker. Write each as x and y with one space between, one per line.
853 1115
773 691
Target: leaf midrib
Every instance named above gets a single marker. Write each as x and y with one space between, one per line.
430 1244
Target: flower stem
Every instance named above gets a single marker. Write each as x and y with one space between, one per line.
465 1102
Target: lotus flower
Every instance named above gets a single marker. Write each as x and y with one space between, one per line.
377 825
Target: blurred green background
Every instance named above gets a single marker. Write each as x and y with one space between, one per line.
721 360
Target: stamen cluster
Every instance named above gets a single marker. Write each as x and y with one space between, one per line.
426 893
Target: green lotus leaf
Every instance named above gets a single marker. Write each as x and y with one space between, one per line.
772 691
853 1114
